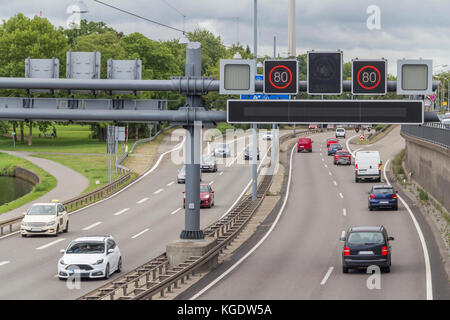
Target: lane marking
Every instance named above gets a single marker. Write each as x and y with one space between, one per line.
92 226
323 159
426 256
50 244
170 183
221 173
260 242
4 262
344 212
121 211
140 233
158 191
329 172
348 147
343 234
335 183
142 200
175 211
325 166
327 275
341 195
211 182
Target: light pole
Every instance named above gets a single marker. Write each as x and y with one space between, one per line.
255 126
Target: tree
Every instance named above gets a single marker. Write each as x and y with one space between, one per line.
86 28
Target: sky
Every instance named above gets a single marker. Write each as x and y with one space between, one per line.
408 29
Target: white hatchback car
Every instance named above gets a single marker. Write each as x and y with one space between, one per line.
90 257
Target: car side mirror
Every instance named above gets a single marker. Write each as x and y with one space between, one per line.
62 251
24 213
390 238
342 238
110 251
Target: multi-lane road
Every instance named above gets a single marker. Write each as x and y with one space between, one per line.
301 257
143 219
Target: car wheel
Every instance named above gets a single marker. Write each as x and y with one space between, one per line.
61 278
67 227
356 179
106 272
386 269
370 208
24 235
119 266
395 208
344 269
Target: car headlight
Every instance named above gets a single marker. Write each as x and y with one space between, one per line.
99 261
50 223
61 262
24 224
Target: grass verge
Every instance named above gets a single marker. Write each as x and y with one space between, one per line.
48 182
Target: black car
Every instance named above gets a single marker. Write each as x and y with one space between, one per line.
248 154
366 246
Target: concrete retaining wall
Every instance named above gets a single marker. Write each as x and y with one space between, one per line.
429 165
27 175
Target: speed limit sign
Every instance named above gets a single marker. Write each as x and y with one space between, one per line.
369 77
281 76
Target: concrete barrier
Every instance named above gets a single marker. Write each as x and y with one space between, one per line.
429 165
27 175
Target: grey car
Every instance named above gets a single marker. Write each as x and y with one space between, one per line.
181 178
208 163
221 150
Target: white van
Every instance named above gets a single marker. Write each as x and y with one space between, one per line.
368 166
340 132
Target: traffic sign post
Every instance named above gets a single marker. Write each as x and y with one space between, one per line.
324 72
281 76
369 77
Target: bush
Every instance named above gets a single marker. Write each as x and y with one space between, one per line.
223 126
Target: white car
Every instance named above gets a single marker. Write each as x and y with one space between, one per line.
267 135
221 150
340 132
90 257
45 218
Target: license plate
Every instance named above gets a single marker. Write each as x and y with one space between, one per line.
365 252
384 202
302 147
35 229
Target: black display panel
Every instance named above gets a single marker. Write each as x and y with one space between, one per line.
324 73
325 111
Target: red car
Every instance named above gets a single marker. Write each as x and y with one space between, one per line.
206 196
304 144
312 127
342 157
331 140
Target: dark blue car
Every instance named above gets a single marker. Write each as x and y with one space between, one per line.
383 197
333 148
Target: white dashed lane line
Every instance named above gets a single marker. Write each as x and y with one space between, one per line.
50 244
140 233
121 211
158 191
344 212
221 173
92 226
2 263
341 195
335 183
170 183
142 200
327 275
175 211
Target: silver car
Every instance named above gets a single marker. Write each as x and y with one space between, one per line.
181 178
221 150
208 163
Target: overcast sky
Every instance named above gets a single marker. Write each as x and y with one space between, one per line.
409 28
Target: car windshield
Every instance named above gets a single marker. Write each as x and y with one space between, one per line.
342 153
336 145
41 210
204 188
365 238
339 130
383 190
183 169
207 159
86 247
222 145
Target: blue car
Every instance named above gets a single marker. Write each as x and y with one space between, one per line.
333 148
383 197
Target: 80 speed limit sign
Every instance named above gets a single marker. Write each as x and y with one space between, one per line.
281 76
369 77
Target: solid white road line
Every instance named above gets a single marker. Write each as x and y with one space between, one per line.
348 147
344 212
175 211
121 211
50 244
92 226
259 243
140 233
426 256
158 191
170 183
2 263
341 195
326 276
142 200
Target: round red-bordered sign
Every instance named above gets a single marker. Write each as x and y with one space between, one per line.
280 87
374 86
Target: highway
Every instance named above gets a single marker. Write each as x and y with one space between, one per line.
301 257
143 219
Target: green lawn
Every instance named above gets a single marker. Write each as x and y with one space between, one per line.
48 182
73 138
94 168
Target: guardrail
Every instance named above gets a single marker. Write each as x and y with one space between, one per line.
437 133
156 276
